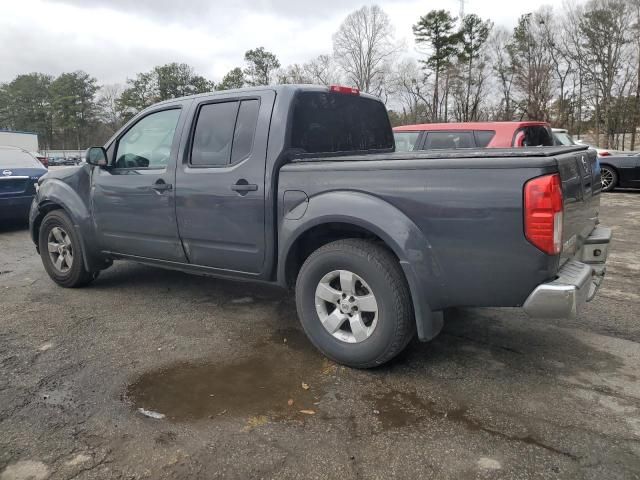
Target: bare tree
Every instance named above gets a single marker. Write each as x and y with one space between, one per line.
363 47
322 70
504 71
605 25
410 93
111 112
533 66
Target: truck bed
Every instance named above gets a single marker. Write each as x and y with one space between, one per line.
469 205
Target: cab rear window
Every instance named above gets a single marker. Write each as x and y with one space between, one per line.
326 122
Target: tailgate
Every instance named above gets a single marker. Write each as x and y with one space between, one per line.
580 175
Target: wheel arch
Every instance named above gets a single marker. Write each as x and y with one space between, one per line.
365 216
56 195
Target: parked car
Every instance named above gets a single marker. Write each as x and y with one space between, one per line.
561 136
19 172
300 186
438 136
620 171
604 152
71 161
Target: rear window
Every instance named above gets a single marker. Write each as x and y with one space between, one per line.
333 122
10 158
535 136
406 141
449 140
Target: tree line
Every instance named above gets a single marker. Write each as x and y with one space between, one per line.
577 67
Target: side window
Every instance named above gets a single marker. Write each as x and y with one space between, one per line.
245 129
214 134
148 143
484 137
449 140
406 141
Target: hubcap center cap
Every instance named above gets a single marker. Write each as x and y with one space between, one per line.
345 307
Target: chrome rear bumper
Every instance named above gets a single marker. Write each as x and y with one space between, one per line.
577 283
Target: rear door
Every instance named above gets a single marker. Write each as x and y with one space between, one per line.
220 182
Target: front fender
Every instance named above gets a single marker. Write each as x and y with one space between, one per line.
55 193
398 232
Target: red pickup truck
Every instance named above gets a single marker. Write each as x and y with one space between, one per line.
445 136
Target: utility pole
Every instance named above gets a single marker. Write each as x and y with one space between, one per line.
461 9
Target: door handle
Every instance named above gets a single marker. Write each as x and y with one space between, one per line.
242 187
161 186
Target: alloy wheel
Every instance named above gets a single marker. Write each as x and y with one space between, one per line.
346 306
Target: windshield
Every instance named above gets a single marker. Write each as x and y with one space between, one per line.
406 141
563 138
325 122
10 158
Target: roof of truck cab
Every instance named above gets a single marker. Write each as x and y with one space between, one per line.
469 126
248 90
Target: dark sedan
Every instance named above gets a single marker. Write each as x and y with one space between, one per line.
19 172
620 171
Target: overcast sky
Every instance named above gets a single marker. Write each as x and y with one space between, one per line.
115 39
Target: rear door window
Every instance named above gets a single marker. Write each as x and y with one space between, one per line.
327 122
224 133
214 134
449 140
245 130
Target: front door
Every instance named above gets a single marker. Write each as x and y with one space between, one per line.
220 185
133 199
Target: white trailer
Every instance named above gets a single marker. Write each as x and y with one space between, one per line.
26 140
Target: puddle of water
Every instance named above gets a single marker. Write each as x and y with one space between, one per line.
259 385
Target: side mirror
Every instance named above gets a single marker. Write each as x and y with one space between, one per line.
97 156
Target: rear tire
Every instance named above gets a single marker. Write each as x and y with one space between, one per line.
354 303
609 178
61 251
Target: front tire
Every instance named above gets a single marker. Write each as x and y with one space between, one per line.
609 178
354 303
61 251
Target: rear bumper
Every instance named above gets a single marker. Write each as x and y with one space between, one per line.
577 283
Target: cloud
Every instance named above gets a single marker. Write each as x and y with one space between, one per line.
115 39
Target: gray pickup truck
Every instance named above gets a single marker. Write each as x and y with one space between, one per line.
300 186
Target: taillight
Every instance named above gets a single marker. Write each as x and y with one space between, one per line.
345 90
543 213
604 153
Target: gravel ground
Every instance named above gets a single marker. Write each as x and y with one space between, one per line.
157 374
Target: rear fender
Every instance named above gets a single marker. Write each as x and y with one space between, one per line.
398 232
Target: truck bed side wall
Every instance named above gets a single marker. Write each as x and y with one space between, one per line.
471 219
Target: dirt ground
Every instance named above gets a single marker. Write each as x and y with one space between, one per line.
157 374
